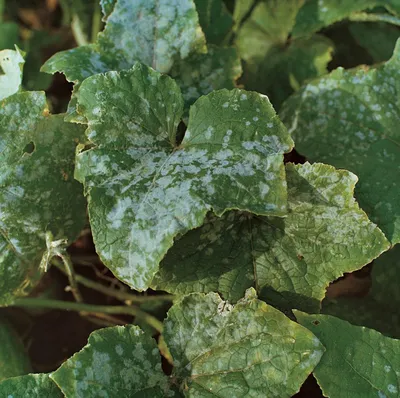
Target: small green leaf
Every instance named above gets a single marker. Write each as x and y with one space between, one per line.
290 260
32 386
11 65
155 33
250 349
117 362
215 20
379 39
317 14
14 361
358 362
145 189
39 198
350 119
380 308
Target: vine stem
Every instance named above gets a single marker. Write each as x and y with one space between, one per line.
96 22
69 270
367 17
118 294
89 308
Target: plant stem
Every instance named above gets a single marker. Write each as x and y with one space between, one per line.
77 31
90 308
69 270
96 22
367 17
118 294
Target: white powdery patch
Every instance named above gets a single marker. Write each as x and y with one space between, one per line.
118 213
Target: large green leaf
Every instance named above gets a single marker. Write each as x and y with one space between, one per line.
40 203
350 119
317 14
11 65
275 65
215 20
249 350
14 361
153 32
32 386
380 308
117 362
290 260
145 188
358 362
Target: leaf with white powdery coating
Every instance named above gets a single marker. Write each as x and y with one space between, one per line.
14 360
290 260
38 194
250 349
144 189
31 385
117 362
157 33
202 73
350 119
358 362
11 65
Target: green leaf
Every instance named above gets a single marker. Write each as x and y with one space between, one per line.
379 39
13 359
358 362
155 33
32 386
119 361
290 260
350 119
40 203
202 73
250 349
274 64
380 308
317 14
215 20
148 187
11 65
9 35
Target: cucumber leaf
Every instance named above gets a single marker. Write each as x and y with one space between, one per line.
317 14
350 119
379 310
291 260
152 32
40 202
378 39
118 361
150 188
250 349
274 64
31 385
14 361
358 362
215 20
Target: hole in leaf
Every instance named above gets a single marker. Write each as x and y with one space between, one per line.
316 323
29 148
2 71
